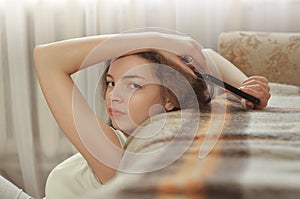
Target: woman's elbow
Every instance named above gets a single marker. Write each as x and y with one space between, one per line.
39 56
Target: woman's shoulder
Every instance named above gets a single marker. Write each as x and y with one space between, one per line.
71 178
72 161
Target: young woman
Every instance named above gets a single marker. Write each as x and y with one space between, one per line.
133 90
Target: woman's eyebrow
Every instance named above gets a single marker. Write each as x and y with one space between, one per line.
127 76
132 77
109 75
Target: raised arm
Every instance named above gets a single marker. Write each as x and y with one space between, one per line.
54 64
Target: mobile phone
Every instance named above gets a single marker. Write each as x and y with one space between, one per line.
227 86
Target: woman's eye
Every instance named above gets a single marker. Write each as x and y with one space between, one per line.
135 86
110 83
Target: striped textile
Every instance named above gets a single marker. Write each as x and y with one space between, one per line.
256 156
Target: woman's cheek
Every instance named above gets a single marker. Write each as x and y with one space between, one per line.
137 109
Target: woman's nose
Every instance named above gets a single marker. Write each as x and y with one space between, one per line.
116 94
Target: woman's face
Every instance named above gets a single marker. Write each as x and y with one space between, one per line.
133 92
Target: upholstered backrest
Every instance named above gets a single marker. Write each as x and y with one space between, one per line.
273 55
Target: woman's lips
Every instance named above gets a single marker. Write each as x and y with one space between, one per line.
115 112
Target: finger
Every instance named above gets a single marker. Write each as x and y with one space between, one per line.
191 63
186 66
247 104
198 58
260 78
253 82
256 79
258 90
250 105
178 62
260 94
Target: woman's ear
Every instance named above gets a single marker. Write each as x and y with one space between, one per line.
169 105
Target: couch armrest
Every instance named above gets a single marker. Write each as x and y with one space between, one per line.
273 55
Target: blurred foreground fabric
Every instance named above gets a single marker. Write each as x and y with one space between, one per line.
256 156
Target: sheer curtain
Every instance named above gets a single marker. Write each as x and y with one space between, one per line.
31 143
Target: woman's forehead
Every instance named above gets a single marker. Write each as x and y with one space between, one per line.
131 65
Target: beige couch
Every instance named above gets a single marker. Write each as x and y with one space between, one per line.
273 55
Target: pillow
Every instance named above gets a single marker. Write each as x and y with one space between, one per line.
273 55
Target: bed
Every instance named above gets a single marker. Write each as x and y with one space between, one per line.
257 154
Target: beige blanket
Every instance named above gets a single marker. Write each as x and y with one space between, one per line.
256 156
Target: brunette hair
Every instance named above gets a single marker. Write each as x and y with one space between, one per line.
173 80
